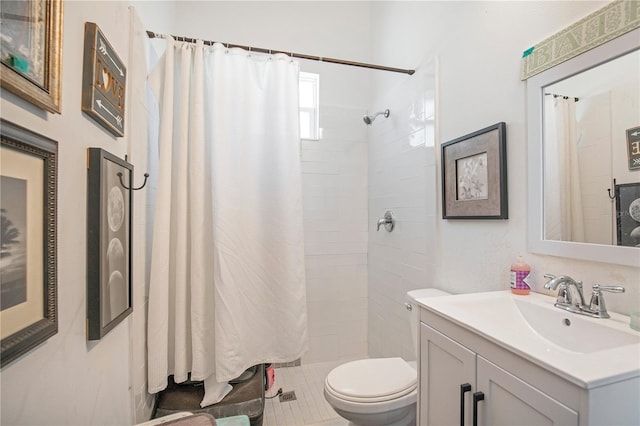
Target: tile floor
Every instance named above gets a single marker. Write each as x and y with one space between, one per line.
310 407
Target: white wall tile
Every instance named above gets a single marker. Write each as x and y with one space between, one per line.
401 179
335 225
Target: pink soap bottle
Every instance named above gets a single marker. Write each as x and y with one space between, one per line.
519 273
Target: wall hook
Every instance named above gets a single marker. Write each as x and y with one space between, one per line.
609 191
146 176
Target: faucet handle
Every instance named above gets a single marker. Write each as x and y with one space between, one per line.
549 277
597 304
609 288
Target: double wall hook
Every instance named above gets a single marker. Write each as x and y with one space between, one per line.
146 176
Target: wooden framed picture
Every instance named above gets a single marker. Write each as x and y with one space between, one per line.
28 191
474 175
628 214
109 297
633 147
31 51
104 79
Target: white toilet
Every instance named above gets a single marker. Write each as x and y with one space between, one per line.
379 391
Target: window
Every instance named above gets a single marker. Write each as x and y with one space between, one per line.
309 102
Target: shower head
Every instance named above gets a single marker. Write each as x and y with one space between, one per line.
368 119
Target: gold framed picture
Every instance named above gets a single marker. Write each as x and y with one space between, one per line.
31 51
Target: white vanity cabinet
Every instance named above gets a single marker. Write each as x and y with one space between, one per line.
450 375
514 390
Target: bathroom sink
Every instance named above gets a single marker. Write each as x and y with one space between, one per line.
573 332
587 351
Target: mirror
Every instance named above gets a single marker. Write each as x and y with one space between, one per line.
586 117
591 100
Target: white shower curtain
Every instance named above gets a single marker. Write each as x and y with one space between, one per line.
227 282
564 217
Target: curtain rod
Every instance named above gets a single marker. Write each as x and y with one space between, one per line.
562 96
151 34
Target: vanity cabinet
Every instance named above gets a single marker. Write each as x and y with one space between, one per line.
450 375
514 389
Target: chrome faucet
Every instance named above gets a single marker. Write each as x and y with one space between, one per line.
571 298
570 295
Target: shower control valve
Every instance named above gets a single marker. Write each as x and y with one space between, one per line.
388 221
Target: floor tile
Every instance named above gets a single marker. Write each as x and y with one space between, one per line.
310 408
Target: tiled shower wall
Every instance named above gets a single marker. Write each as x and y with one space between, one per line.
402 178
334 179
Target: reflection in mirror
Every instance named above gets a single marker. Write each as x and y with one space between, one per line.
587 121
597 123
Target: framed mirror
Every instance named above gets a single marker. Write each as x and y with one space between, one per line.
579 116
589 100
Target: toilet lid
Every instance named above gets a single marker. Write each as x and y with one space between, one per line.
372 380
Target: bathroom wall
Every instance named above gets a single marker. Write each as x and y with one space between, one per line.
67 380
594 158
474 49
478 46
401 179
334 168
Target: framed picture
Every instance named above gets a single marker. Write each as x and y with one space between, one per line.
31 51
109 297
474 175
104 79
633 147
28 191
628 214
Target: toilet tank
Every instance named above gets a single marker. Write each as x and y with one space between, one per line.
414 310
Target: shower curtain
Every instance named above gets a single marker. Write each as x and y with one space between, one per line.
564 218
227 281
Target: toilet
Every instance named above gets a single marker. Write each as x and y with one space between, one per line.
379 391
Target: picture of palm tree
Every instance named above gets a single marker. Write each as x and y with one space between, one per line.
8 234
13 261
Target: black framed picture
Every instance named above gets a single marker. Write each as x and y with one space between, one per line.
28 205
474 175
628 214
109 209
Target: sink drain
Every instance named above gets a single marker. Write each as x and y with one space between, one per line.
288 396
566 322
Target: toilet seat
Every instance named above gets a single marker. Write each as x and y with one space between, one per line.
371 380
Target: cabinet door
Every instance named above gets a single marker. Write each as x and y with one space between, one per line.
511 402
444 366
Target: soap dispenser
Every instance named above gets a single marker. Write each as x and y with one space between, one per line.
519 273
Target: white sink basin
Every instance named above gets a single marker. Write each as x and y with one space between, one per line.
587 351
574 332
